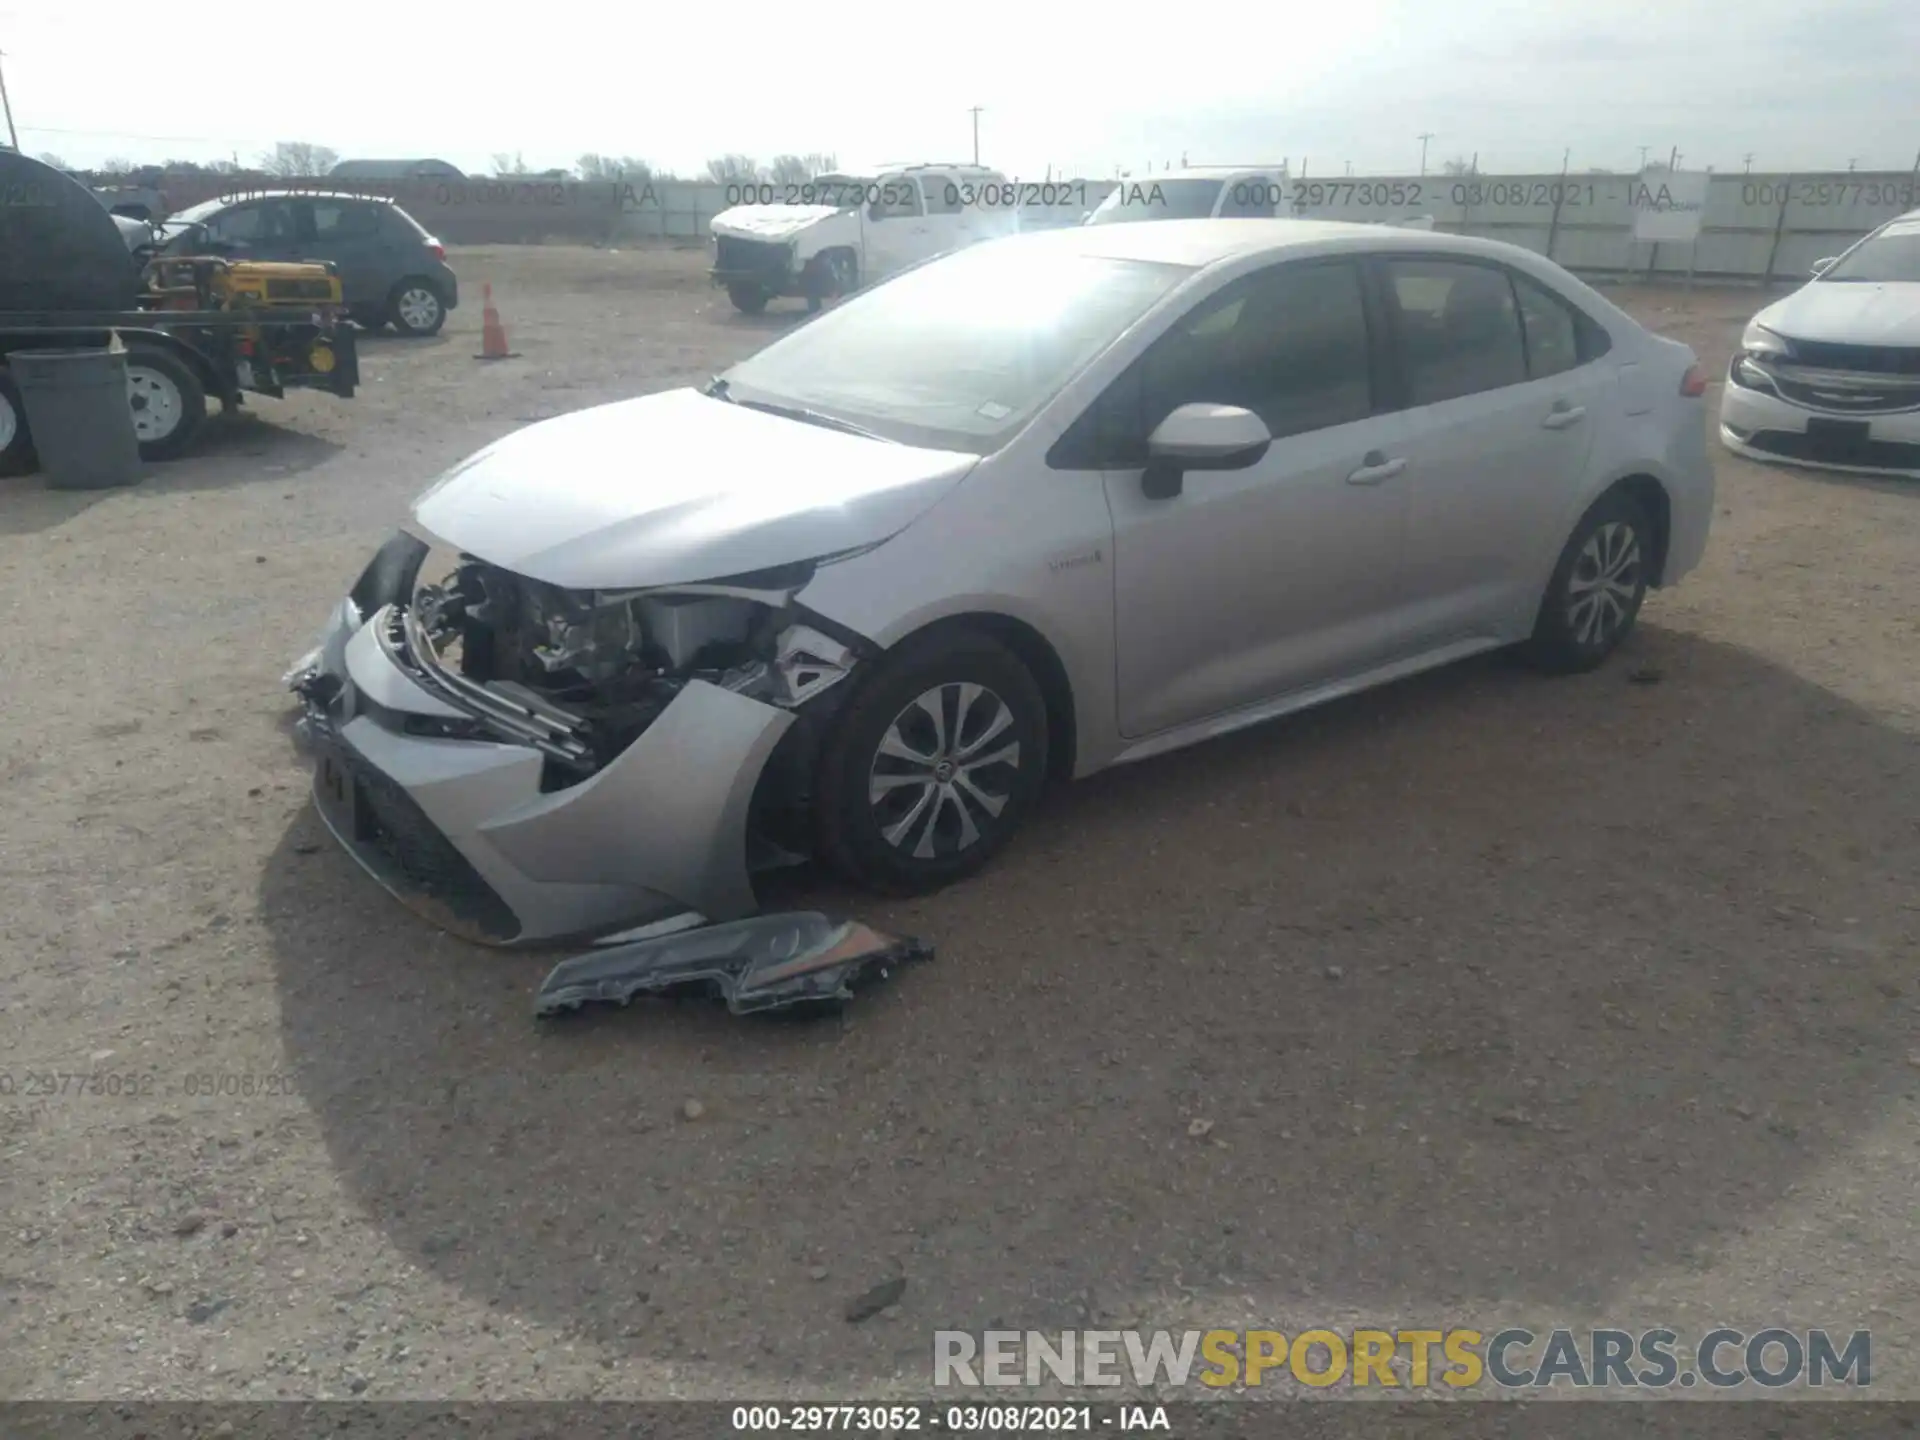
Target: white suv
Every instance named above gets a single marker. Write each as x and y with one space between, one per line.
825 237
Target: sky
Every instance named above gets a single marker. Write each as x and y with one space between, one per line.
1068 88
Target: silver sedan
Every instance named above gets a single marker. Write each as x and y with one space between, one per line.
1047 505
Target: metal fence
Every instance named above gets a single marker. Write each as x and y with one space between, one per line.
1754 227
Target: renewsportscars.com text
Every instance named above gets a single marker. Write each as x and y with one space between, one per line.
1511 1358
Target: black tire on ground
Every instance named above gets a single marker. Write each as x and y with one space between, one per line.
417 308
833 279
169 402
882 825
747 299
16 444
1594 595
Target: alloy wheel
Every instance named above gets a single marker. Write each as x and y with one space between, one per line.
1604 585
944 771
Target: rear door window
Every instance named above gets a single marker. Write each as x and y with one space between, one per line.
344 220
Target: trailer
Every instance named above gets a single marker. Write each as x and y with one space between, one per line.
194 327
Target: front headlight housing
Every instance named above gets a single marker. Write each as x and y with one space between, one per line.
1763 344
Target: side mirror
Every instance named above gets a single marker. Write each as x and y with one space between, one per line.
1820 267
874 212
1201 437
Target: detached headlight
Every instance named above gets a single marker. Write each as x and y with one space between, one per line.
1761 342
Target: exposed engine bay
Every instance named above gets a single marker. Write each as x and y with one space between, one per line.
582 674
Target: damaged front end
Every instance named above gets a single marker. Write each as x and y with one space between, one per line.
524 762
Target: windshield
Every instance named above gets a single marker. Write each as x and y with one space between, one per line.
1892 255
1157 200
959 353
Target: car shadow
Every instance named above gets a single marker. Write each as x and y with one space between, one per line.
391 339
228 451
1906 488
1481 988
240 447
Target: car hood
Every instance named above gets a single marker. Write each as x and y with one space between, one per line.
1843 312
770 222
676 488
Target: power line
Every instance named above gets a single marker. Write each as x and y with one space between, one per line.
124 135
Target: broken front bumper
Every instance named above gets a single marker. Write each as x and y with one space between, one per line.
468 831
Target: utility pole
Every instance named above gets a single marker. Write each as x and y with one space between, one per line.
975 112
1423 137
1673 158
1747 159
1852 165
7 104
1643 155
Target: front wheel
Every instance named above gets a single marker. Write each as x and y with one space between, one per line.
833 278
168 401
747 299
932 765
1597 587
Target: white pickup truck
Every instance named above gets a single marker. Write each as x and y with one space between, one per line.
826 237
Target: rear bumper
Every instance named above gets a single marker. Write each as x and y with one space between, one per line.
1766 427
471 834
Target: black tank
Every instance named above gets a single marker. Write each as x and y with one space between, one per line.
59 248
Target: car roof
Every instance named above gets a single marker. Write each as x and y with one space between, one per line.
1200 243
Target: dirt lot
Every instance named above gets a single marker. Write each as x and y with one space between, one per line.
1508 1000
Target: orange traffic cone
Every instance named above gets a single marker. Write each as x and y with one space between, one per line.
493 335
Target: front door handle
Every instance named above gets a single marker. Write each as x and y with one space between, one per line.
1564 415
1375 467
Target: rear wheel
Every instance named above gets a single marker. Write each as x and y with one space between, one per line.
1597 587
416 309
16 445
932 765
169 403
747 299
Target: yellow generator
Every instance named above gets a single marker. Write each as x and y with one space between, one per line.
203 282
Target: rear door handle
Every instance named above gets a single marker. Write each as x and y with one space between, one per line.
1564 415
1375 467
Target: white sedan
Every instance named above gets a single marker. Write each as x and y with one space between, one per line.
1830 375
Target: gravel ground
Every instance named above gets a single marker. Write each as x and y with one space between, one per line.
1504 1000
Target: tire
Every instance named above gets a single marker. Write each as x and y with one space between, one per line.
417 308
747 299
834 280
16 444
1583 618
169 403
910 837
371 320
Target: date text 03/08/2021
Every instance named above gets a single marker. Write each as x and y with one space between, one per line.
1024 1419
